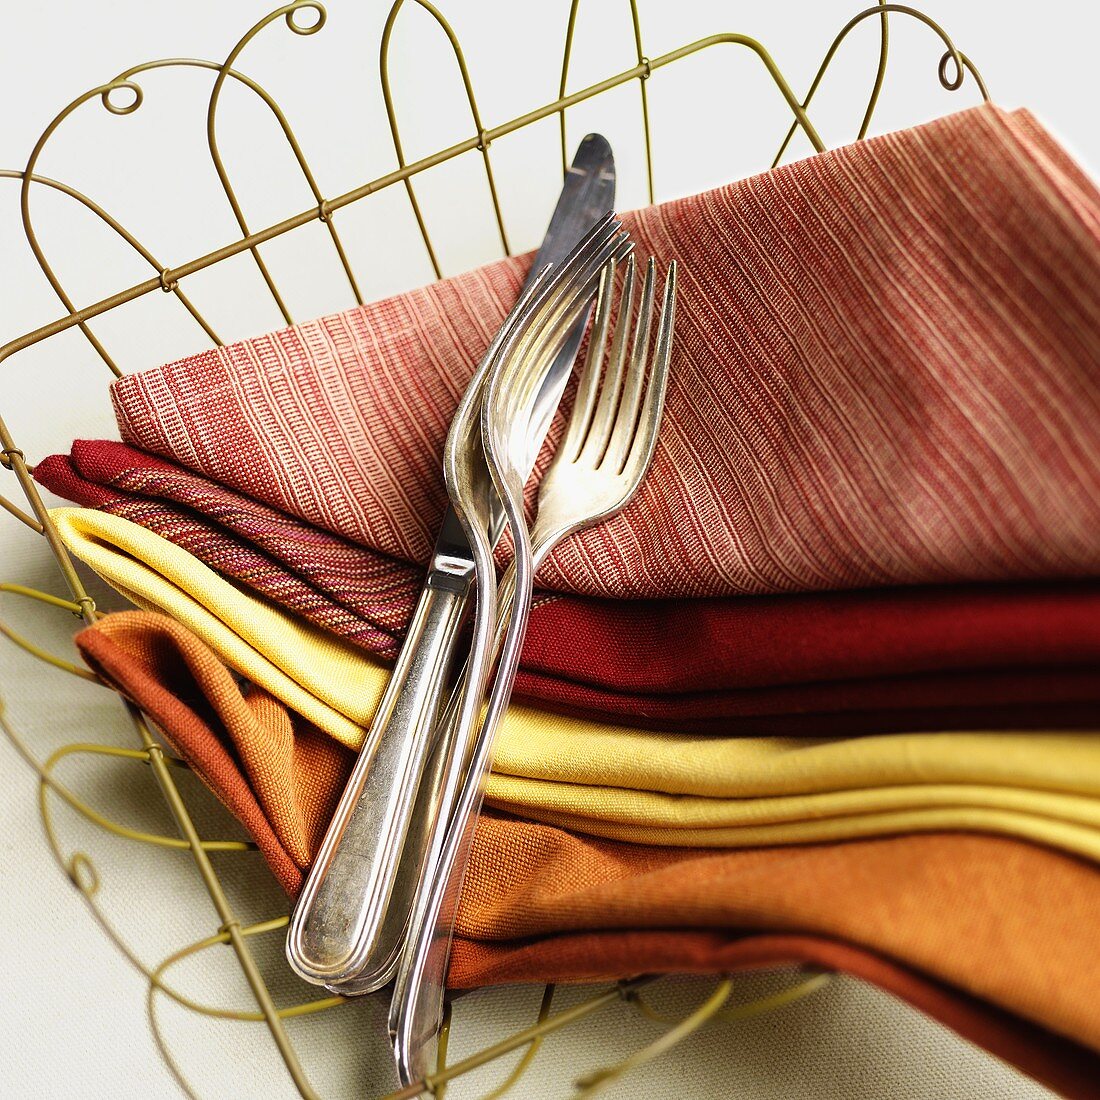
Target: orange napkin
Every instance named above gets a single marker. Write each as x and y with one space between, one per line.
993 936
1066 1067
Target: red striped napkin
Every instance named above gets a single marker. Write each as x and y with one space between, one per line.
885 373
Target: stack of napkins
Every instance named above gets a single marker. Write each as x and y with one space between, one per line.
750 701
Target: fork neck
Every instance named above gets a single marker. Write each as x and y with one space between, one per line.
542 544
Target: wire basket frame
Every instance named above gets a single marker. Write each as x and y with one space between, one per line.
122 96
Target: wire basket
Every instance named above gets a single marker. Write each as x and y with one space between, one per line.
182 817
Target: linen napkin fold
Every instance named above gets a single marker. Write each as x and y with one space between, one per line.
336 684
962 927
884 374
875 659
1006 921
1066 1067
737 792
678 791
321 677
349 589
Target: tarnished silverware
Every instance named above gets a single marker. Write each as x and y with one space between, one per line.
467 476
598 468
337 932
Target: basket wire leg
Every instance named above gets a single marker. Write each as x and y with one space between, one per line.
231 925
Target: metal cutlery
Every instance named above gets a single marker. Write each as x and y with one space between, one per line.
337 935
470 483
334 935
598 467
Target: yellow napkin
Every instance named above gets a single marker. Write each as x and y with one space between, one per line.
655 788
323 678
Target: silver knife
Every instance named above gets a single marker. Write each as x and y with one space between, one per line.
339 935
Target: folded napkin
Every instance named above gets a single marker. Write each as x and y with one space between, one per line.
816 662
1008 922
1066 1067
616 782
884 373
326 680
738 792
963 927
1044 671
349 589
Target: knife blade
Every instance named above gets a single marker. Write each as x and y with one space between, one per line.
339 935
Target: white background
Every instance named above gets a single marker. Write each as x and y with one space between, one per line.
73 1015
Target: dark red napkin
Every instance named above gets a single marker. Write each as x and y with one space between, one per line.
875 659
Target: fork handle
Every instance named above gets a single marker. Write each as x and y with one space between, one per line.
334 931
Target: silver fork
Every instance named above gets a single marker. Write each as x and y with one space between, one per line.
599 466
347 928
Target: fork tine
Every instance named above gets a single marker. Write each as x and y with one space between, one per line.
537 344
603 420
566 315
588 387
622 432
645 436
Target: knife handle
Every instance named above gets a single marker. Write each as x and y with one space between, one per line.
334 930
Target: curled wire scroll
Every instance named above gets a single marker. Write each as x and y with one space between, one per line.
953 68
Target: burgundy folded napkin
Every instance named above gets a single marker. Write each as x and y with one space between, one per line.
878 659
885 373
349 589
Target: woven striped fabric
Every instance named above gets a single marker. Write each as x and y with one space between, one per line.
346 588
885 372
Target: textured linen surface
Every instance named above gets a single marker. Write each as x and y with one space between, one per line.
349 589
876 659
962 911
1043 788
884 373
337 685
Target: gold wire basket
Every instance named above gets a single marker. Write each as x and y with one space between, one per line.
275 995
